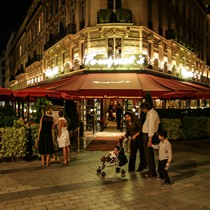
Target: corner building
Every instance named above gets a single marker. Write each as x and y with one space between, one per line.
114 51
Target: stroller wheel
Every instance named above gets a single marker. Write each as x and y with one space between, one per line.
122 172
103 174
117 170
98 170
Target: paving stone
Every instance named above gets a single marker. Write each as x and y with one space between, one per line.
26 185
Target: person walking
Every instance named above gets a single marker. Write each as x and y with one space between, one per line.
45 138
63 137
133 128
164 158
149 129
118 116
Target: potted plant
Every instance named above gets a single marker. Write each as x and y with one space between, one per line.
123 15
104 15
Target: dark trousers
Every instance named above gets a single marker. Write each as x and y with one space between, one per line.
118 124
133 152
163 174
149 155
142 163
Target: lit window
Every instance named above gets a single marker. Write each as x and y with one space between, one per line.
114 4
114 47
20 51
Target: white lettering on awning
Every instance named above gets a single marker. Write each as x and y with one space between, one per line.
112 82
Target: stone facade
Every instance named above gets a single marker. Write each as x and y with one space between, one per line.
61 37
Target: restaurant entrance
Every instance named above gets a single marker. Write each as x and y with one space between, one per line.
100 114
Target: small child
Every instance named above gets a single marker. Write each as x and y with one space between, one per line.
111 156
165 157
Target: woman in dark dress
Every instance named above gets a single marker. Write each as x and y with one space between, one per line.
45 137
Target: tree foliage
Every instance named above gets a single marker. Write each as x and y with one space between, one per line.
7 116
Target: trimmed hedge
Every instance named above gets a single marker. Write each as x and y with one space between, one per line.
187 128
181 113
185 123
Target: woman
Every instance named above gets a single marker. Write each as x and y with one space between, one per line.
45 137
63 137
133 129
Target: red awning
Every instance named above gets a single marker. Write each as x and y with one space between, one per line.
150 85
127 85
203 92
172 84
178 94
182 89
5 94
36 92
109 84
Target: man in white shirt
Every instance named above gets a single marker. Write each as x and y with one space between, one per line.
149 129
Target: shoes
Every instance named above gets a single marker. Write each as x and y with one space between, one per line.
141 168
130 171
117 170
166 184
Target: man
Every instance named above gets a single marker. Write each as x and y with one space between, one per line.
149 129
118 116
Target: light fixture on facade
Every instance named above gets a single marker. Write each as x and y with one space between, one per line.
52 72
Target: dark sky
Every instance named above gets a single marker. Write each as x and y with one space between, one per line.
12 13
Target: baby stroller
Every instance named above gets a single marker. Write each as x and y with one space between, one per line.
116 158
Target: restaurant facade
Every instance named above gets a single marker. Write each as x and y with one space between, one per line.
114 51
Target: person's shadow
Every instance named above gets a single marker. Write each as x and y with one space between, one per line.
186 169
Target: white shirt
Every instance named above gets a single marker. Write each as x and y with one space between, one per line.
165 150
112 155
151 123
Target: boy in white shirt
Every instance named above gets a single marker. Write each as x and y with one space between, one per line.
165 157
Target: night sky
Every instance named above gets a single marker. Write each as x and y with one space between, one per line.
12 13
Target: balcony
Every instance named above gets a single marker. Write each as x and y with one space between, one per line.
53 40
71 28
173 34
12 78
20 71
33 59
117 16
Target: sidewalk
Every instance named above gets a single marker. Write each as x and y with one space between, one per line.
26 185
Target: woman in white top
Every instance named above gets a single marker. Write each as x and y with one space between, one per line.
63 137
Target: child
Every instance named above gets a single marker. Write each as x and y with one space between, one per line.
165 157
111 156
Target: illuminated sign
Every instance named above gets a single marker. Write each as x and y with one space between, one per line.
109 62
112 82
